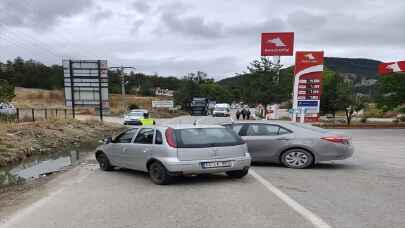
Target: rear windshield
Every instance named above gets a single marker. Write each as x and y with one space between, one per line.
220 109
206 137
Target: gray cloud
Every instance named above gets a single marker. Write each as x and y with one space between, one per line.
192 26
219 37
39 14
141 6
102 14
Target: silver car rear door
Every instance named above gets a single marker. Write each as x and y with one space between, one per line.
265 141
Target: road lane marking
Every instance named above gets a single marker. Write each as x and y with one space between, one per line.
307 214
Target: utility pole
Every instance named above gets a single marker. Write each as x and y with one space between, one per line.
121 69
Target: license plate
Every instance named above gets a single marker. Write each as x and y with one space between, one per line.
218 164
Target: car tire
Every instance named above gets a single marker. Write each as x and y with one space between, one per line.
104 162
237 173
159 174
297 159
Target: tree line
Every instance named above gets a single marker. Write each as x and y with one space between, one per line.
262 83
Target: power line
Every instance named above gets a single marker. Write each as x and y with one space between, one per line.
17 43
27 5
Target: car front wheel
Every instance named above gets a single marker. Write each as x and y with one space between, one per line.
237 173
297 159
158 174
104 163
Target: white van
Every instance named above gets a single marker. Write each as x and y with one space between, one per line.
222 110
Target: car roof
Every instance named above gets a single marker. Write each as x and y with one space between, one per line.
188 126
139 110
258 121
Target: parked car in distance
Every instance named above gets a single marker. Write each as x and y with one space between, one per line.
133 117
175 150
294 145
7 109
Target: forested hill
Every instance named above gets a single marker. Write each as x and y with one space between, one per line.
356 69
363 68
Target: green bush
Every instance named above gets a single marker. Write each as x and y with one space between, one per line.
402 118
374 113
363 119
7 117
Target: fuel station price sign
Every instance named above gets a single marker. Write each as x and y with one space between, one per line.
308 84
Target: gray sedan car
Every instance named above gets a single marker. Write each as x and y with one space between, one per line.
293 144
168 151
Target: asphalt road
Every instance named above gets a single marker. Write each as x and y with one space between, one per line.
364 191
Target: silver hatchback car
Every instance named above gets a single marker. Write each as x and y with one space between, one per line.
168 151
293 144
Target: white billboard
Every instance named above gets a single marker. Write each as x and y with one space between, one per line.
85 79
163 104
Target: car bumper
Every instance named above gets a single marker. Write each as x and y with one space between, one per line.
174 166
342 153
220 114
132 122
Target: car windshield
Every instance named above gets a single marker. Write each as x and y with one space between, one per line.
206 137
135 114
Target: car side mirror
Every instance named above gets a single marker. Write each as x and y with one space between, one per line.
107 140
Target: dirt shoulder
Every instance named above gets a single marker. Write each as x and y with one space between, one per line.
23 140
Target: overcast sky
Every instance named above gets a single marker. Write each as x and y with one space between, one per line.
173 37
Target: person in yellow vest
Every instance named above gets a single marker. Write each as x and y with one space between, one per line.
146 121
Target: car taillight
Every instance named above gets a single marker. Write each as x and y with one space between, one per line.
170 137
337 139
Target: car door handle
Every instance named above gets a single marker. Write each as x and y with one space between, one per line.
283 139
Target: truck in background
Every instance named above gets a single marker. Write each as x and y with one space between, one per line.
199 106
222 110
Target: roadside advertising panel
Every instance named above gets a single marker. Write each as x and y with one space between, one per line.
163 104
391 67
86 79
308 83
277 44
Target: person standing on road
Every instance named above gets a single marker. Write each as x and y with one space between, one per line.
237 114
146 121
243 113
248 114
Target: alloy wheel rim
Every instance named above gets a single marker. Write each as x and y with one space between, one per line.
296 159
156 174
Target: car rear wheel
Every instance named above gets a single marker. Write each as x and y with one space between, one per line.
158 174
237 173
104 163
297 158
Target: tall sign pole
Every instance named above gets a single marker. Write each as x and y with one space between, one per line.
277 44
100 95
123 82
72 88
307 85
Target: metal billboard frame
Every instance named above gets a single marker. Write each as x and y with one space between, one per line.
87 80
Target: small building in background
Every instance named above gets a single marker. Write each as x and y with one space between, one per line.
164 92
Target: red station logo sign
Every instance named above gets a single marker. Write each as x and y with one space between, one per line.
391 67
277 44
